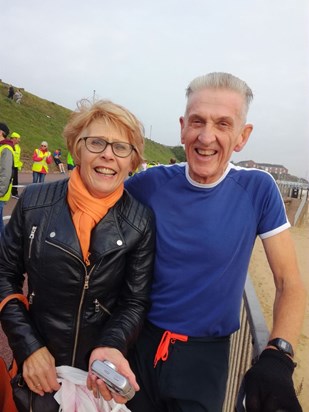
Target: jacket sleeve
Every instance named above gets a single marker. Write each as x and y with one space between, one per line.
36 157
22 336
127 319
6 164
49 158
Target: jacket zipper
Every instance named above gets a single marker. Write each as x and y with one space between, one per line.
99 305
31 237
86 286
31 297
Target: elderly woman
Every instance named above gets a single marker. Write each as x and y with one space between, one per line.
41 159
87 248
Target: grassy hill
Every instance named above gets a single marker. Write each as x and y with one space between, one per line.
37 119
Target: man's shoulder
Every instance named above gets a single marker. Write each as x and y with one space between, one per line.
151 181
249 175
255 183
6 146
157 173
7 153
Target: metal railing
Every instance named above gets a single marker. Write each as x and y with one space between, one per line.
300 210
246 344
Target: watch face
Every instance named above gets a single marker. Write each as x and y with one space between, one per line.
282 345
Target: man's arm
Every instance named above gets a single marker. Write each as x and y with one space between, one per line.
290 299
6 164
269 384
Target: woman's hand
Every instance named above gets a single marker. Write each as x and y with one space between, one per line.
122 366
39 372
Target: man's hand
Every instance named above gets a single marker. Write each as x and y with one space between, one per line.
269 385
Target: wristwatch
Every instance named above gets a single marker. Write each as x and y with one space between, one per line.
282 345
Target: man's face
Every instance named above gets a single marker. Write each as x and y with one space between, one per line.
212 128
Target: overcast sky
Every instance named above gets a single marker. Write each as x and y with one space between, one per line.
142 54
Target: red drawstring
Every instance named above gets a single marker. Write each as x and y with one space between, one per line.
167 338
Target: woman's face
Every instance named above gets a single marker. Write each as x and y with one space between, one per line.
102 173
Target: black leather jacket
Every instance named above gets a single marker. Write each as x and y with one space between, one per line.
74 308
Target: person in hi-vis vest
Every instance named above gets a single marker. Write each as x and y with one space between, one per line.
41 159
6 164
18 164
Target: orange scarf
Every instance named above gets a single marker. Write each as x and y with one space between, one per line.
87 210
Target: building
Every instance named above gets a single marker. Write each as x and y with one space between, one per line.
268 167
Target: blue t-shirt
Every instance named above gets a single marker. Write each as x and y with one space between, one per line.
205 236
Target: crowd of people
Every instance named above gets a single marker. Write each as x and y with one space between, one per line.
11 163
149 283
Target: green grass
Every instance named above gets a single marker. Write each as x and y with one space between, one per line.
37 119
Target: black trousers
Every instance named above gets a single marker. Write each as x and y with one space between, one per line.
15 181
192 379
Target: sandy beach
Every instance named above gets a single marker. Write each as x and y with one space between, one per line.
265 290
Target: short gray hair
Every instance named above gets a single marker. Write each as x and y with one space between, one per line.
221 80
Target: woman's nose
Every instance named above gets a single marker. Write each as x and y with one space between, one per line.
108 152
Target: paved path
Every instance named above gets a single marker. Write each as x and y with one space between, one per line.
23 179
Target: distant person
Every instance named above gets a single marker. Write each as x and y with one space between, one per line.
17 96
151 164
41 159
6 166
11 92
18 164
172 161
70 163
208 214
58 161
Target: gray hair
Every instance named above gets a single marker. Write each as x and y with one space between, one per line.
221 80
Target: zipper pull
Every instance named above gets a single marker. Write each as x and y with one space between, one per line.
31 297
86 284
33 230
96 305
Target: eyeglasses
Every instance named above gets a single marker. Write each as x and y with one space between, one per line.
43 145
98 145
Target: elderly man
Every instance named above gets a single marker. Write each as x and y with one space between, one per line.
208 214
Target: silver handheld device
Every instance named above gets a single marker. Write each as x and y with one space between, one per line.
116 382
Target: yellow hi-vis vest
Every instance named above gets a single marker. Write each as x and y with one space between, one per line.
38 166
17 162
7 195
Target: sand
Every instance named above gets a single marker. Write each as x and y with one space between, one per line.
265 290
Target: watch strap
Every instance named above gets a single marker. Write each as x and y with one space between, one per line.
282 345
